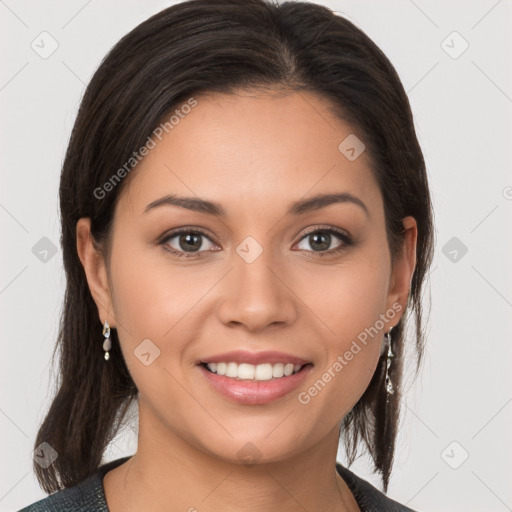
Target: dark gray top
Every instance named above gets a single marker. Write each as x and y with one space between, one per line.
89 495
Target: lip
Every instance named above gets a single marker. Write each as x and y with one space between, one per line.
250 392
244 356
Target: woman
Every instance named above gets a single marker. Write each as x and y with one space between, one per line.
246 227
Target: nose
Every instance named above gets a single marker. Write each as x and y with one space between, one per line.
258 294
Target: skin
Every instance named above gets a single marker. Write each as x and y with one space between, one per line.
255 154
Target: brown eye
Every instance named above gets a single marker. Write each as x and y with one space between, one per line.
321 240
187 242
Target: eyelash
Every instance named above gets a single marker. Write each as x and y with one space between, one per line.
342 235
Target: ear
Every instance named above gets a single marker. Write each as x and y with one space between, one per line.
95 270
403 268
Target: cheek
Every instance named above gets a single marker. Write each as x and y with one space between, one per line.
350 301
151 312
151 294
158 301
346 298
145 304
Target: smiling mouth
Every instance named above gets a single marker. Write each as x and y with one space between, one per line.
251 372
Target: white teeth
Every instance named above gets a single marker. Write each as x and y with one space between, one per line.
245 371
232 370
263 372
288 369
278 370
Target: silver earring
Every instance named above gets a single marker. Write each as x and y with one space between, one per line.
107 344
388 384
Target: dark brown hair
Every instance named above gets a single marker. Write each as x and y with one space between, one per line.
196 47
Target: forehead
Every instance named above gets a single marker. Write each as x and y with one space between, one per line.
251 149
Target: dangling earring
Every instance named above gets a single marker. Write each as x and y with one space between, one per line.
107 344
388 384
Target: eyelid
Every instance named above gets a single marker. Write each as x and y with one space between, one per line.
320 227
186 229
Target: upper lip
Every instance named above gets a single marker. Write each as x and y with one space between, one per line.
243 356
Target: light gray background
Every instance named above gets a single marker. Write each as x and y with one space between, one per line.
462 108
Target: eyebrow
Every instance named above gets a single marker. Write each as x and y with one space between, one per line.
296 208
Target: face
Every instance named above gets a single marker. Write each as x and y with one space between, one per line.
312 287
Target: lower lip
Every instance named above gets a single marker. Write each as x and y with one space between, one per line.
255 392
